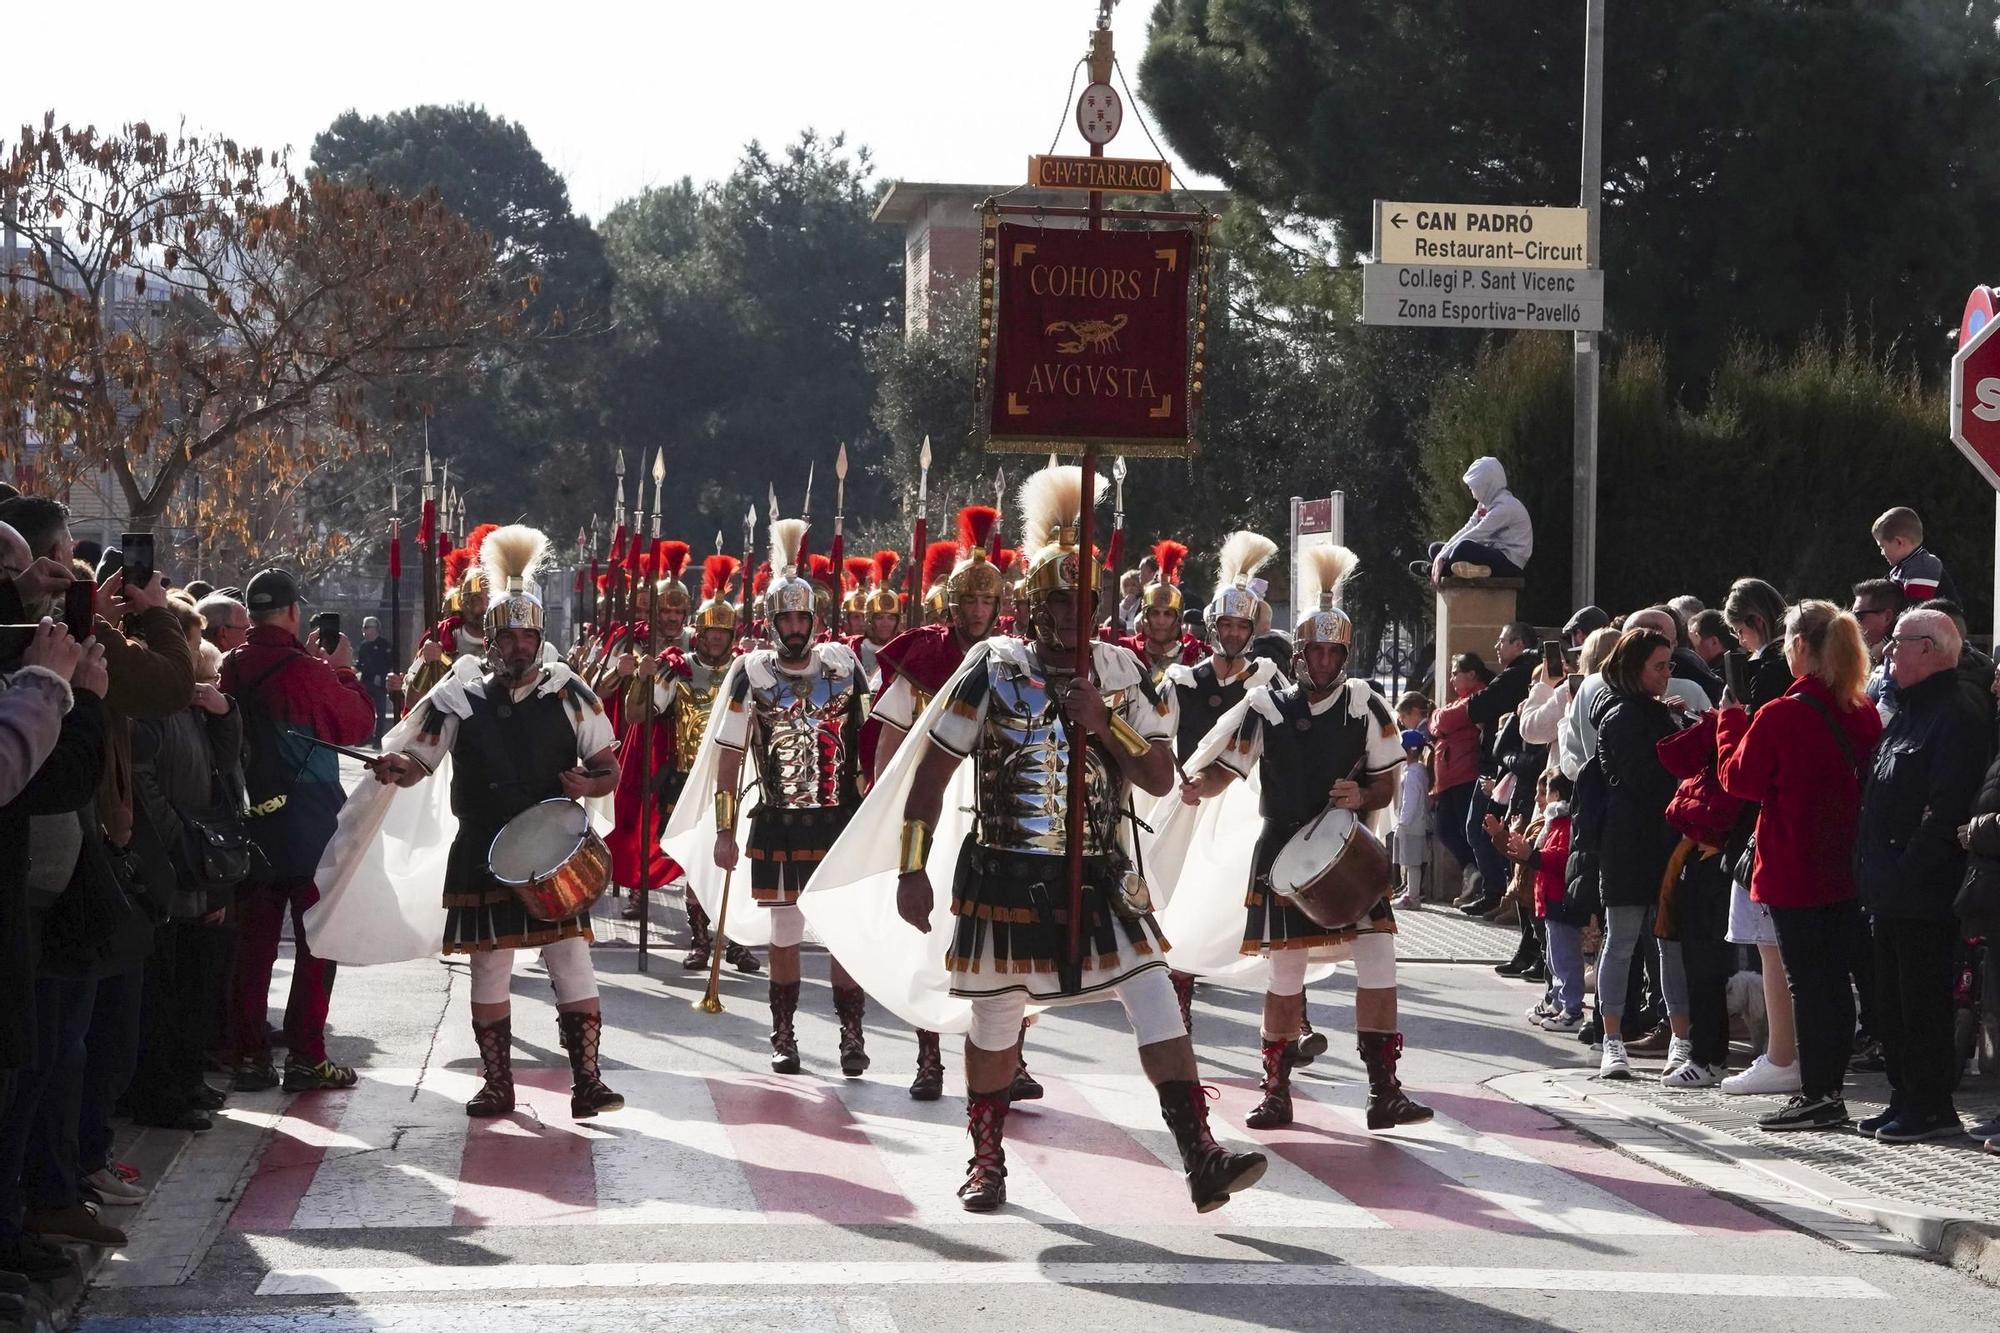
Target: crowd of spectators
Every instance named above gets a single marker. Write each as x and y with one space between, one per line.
161 809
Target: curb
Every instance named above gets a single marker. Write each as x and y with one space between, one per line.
66 1300
1971 1245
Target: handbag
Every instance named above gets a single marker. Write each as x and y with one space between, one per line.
216 853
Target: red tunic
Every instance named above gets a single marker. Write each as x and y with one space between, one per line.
627 839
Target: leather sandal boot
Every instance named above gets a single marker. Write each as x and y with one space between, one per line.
1184 992
1213 1172
1388 1104
587 1094
985 1187
784 1043
496 1096
1276 1107
850 1004
700 941
928 1085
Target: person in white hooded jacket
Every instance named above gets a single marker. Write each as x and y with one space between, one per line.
1495 542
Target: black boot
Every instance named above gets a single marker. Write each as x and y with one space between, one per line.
1388 1104
740 958
1213 1172
699 939
1276 1108
1184 992
1525 954
928 1085
985 1187
587 1094
784 1044
849 1004
496 1096
1311 1045
1026 1087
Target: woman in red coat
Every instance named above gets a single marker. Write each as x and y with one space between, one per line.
1455 762
1801 758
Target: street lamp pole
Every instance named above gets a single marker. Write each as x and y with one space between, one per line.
1583 493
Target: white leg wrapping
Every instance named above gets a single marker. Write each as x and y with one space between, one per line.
996 1020
570 970
1288 971
492 976
1151 1007
1375 961
788 927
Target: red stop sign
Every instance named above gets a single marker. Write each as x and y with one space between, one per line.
1975 400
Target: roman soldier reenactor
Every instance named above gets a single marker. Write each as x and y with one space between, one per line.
1161 641
915 666
856 571
794 709
881 619
522 732
1010 709
1325 740
660 606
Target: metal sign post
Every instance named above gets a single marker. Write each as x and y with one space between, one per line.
1583 489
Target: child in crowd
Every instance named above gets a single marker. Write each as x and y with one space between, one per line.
1413 713
1413 821
1547 855
1899 535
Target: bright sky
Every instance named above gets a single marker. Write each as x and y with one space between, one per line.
617 96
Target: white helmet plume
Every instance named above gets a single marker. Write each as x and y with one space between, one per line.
512 556
1326 569
787 536
1052 505
1243 554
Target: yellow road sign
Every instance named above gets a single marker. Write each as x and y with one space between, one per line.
1486 235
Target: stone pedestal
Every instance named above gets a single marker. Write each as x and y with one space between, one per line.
1470 615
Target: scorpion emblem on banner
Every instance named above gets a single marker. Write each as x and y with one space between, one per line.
1094 335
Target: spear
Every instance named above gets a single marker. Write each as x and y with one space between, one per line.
749 546
396 586
919 534
617 558
576 596
839 510
806 513
427 539
649 840
1116 549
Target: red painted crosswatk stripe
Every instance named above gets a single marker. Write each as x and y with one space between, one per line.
1557 1145
531 1168
1369 1170
805 1157
1095 1167
291 1158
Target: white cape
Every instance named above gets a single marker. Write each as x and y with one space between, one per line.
690 832
1198 862
381 878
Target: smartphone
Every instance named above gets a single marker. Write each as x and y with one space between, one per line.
1736 674
327 625
1575 679
80 609
137 550
1552 656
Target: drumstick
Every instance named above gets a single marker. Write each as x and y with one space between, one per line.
509 786
366 758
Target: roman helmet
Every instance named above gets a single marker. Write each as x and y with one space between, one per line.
1239 594
883 599
456 563
716 610
511 558
826 588
856 571
939 557
790 588
973 569
1164 592
669 593
1052 507
1325 569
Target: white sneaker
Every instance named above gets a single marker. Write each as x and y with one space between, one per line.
112 1188
1680 1050
1538 1011
1613 1063
1407 901
1572 1022
1692 1075
1763 1077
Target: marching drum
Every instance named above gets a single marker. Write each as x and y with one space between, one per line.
1334 869
552 859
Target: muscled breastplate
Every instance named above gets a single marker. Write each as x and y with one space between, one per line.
697 701
1023 766
805 757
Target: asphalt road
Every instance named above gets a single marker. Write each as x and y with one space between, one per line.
736 1199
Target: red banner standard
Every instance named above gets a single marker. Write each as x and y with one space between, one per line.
1093 339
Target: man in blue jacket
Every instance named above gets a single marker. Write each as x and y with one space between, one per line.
1926 772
